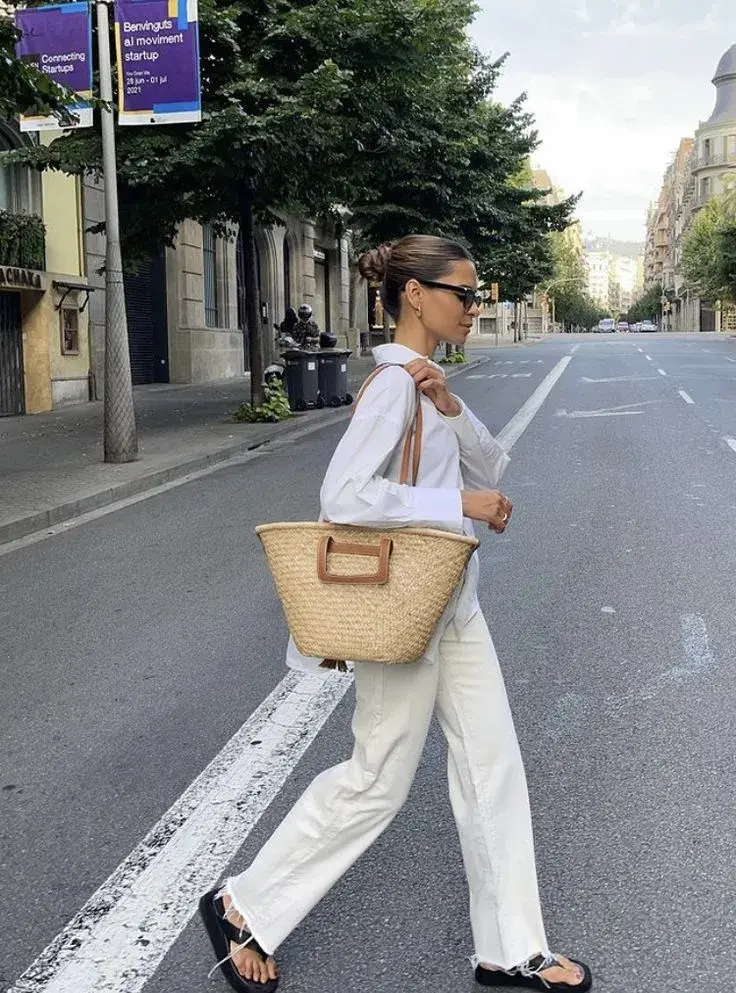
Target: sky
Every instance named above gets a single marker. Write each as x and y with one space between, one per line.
613 85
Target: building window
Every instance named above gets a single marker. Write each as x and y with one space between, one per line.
287 275
209 252
322 290
10 188
69 331
706 151
704 189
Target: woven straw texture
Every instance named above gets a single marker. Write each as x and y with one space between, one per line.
392 623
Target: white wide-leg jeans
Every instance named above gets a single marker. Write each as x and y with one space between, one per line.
347 807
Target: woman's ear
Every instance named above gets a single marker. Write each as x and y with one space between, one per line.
413 292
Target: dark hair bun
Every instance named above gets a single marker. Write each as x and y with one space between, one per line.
373 265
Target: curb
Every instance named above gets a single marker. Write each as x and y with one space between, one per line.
23 526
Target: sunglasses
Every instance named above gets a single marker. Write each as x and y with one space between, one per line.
469 296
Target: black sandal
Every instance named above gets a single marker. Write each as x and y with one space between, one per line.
221 932
528 976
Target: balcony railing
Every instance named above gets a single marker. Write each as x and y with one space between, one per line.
727 158
22 240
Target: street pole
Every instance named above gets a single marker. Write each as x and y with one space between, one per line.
121 440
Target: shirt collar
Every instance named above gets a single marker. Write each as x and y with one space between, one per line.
394 354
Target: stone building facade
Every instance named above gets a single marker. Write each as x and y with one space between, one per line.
703 167
187 308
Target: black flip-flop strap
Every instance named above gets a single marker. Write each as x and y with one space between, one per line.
234 933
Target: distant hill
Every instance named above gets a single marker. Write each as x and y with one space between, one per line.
621 249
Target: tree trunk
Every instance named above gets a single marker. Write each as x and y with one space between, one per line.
352 299
252 298
386 326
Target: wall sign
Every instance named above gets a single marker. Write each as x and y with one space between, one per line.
13 278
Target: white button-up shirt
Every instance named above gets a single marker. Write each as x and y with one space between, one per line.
362 486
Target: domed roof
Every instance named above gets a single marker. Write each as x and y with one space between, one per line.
727 65
725 83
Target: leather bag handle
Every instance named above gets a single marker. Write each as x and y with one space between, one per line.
412 452
382 552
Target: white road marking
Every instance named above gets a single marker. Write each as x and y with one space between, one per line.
648 358
641 350
698 658
730 360
574 349
124 931
616 379
521 375
623 408
518 424
731 442
661 372
686 397
597 413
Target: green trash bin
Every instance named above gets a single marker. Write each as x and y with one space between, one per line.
333 377
302 379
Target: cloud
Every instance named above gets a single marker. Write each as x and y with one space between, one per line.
614 85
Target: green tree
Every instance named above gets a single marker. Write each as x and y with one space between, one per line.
266 143
520 245
701 264
648 307
383 108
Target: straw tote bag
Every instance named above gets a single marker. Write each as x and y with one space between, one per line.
366 594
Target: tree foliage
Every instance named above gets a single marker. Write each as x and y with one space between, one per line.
573 306
648 307
384 108
701 255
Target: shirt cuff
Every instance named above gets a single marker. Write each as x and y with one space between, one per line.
438 508
455 418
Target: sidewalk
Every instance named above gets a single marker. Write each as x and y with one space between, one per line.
52 469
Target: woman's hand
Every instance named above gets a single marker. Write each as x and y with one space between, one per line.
489 506
433 384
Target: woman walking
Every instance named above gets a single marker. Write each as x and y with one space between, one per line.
429 285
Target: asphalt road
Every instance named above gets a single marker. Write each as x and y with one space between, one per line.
133 647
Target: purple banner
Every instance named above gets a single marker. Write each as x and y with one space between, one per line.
158 61
57 39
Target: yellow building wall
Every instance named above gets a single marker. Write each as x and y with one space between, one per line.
35 309
62 216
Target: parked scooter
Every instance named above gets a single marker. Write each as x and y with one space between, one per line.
284 341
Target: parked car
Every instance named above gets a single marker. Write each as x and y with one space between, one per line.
647 326
635 328
622 327
606 326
